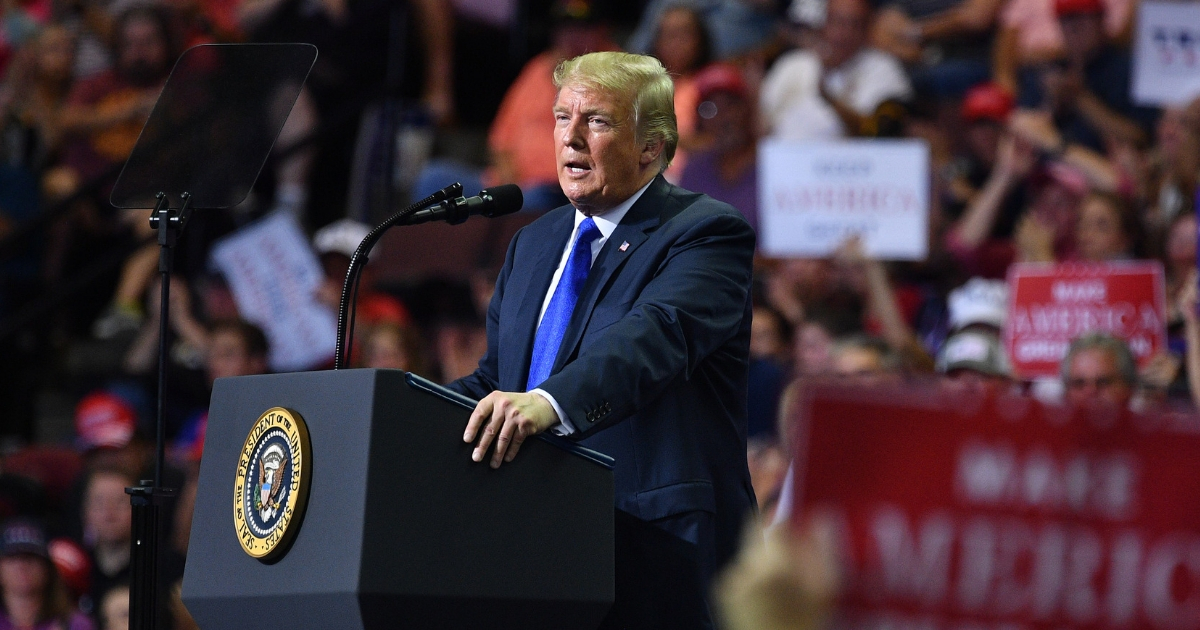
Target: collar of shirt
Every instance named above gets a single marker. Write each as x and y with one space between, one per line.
606 222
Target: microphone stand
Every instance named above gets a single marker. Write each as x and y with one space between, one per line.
345 330
149 498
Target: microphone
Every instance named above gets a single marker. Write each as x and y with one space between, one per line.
490 202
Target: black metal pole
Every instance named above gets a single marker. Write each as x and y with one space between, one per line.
149 499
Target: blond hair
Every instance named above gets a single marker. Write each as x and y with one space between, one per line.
642 77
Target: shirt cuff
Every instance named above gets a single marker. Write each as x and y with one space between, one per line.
564 426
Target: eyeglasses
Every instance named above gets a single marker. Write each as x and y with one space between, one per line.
1100 382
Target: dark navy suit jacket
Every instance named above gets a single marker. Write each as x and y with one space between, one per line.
653 366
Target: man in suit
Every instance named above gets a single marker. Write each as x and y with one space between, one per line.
623 321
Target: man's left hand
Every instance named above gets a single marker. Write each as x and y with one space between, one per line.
507 418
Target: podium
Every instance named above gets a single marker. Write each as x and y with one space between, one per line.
400 527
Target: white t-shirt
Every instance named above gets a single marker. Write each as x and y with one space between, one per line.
791 102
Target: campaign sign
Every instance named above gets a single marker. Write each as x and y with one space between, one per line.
274 275
815 195
1166 57
1050 305
980 512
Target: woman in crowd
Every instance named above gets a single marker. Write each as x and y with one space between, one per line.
32 596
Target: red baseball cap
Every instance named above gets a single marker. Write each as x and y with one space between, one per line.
1077 7
721 77
73 564
104 420
987 101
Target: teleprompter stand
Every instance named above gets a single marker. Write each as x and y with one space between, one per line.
203 147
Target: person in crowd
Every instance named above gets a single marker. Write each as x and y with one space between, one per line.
1099 369
73 565
946 44
831 91
114 608
105 114
335 245
1172 170
1029 34
1045 232
740 29
815 337
727 168
1179 259
656 375
769 341
1107 229
519 140
32 99
107 520
1188 304
996 186
683 45
783 579
31 594
986 171
864 360
1088 91
187 343
357 67
973 362
395 346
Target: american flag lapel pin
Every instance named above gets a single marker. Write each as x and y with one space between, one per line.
624 246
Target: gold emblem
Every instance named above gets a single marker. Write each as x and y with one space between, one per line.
271 486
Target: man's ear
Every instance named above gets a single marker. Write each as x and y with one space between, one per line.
651 151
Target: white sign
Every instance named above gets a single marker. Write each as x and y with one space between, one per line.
815 195
1166 58
274 275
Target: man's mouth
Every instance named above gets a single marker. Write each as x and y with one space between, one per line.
576 168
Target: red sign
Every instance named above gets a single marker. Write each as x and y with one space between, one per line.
1002 512
1050 305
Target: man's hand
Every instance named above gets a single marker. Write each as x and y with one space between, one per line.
512 417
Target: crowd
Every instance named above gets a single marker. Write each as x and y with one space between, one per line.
1038 153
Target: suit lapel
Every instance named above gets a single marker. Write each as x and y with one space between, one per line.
633 230
530 292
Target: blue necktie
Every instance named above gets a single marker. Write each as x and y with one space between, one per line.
558 314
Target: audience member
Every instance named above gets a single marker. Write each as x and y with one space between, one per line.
335 244
74 566
683 45
32 100
114 608
104 114
521 138
947 43
1106 229
973 362
1088 91
31 593
727 168
395 346
1029 34
829 92
739 28
1099 370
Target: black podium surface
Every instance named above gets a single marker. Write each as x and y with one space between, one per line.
401 528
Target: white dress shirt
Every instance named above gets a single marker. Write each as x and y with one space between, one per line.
606 223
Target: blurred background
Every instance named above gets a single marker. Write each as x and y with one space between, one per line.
1037 151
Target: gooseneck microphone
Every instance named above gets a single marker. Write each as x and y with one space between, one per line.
445 204
490 202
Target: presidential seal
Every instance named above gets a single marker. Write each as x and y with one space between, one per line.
272 483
